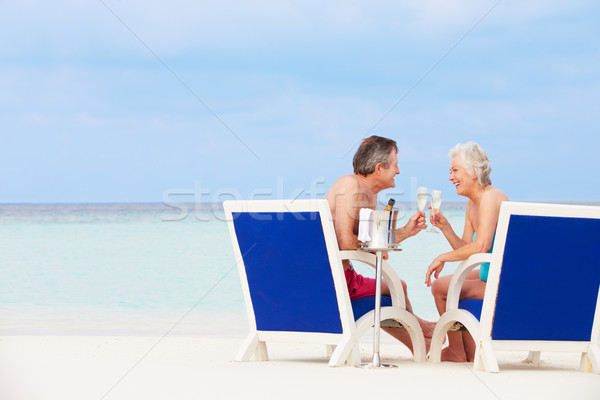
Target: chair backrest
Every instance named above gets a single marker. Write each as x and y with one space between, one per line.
545 274
289 265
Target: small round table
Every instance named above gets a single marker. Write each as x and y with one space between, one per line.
376 363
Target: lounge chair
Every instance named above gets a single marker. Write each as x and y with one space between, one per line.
293 281
543 286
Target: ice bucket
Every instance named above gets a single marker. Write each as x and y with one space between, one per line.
383 229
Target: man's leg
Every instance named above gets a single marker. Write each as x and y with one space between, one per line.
426 326
403 336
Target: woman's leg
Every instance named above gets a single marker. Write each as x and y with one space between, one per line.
469 345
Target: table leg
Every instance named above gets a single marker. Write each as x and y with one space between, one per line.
377 322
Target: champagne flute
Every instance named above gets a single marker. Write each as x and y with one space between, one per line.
422 197
436 202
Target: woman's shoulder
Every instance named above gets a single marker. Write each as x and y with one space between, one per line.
494 195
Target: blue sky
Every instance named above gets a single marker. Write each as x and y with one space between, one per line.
126 101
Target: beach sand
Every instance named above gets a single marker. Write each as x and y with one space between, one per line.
201 367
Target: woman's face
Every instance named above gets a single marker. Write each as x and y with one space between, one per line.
462 181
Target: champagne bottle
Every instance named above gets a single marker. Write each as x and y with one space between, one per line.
390 204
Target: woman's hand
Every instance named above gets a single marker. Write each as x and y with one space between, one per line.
434 268
437 219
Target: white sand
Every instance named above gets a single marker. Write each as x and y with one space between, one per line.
177 367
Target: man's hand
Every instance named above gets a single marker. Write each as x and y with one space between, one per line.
415 224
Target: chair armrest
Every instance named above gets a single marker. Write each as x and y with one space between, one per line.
459 276
387 272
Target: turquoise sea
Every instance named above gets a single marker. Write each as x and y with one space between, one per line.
145 269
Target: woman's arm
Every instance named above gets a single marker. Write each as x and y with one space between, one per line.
438 219
489 208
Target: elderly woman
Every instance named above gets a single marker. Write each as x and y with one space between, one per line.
470 173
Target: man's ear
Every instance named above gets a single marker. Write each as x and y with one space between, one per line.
378 168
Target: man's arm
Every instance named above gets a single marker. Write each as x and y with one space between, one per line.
414 225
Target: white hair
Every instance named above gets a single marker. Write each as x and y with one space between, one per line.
474 160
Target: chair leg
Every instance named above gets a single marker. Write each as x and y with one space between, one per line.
584 364
484 357
354 357
329 348
534 357
446 321
252 346
590 361
411 325
342 352
418 342
261 353
437 340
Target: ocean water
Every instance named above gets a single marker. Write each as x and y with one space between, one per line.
144 269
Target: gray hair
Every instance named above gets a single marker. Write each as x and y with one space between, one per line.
474 160
372 151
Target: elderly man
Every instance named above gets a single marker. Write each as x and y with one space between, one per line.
375 167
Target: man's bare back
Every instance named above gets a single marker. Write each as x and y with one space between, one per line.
346 197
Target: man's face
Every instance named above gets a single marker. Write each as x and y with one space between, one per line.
388 174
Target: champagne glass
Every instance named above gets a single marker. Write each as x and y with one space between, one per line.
436 202
422 197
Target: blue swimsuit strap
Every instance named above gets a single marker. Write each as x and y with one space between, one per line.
485 267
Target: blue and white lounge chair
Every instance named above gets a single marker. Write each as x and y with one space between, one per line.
293 281
543 286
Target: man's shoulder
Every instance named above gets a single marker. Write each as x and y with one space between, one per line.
346 187
351 179
346 182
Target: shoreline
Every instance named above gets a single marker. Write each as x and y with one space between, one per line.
211 206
